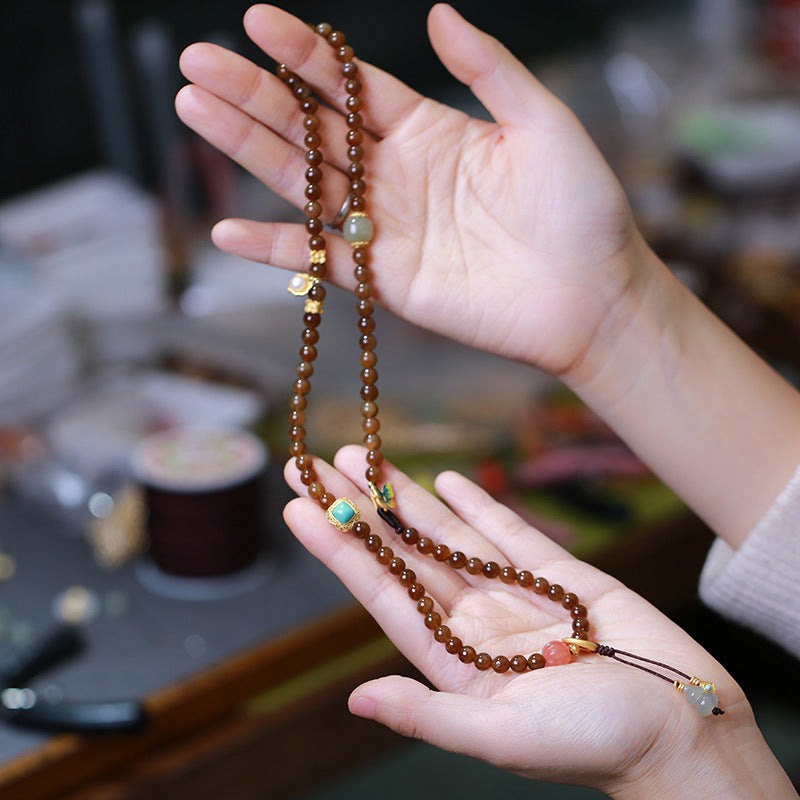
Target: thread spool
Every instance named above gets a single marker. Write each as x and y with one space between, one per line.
202 490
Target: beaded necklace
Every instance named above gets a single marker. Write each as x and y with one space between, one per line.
342 513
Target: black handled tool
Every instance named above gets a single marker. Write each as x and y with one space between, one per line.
22 706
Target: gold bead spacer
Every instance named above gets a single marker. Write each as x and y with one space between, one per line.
317 256
313 307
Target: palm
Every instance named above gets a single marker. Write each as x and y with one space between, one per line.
616 714
472 216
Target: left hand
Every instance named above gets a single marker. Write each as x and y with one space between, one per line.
592 722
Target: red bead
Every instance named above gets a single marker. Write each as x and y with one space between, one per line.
556 653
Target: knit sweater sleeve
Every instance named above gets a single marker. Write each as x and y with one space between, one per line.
758 585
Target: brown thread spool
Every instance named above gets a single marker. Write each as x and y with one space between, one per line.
202 489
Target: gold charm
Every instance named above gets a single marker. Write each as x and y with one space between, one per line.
343 514
301 284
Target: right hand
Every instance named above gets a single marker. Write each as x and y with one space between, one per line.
512 236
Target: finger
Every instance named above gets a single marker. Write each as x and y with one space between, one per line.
419 509
521 545
259 150
283 245
290 41
506 87
372 579
460 723
260 95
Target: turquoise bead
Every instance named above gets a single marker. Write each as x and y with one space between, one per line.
343 512
358 230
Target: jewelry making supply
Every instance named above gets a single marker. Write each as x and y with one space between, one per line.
358 230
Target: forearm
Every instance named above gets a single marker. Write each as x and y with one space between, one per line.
712 420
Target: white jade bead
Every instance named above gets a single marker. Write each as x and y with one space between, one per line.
702 701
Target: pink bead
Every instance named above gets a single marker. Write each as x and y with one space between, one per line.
556 653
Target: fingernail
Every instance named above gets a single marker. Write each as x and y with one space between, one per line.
362 706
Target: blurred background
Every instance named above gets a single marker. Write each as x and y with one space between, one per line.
144 378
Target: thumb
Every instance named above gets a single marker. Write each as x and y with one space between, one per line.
505 86
462 724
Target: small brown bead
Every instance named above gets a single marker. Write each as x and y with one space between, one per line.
370 425
296 448
313 174
312 140
313 209
353 103
308 476
297 433
327 500
373 474
365 308
580 635
349 69
362 274
433 619
555 592
302 91
316 243
352 85
580 624
372 441
425 545
467 654
374 458
362 290
355 152
305 369
491 569
441 552
311 121
360 255
453 645
313 191
483 661
525 578
336 38
410 536
354 136
569 600
355 169
312 320
324 29
314 157
315 490
369 392
396 565
457 560
578 610
519 664
345 53
361 529
366 324
384 555
369 375
540 585
442 633
508 575
358 204
474 566
500 664
313 226
283 72
298 402
535 661
305 461
297 417
317 270
416 590
369 409
425 605
308 352
354 120
308 106
302 386
407 577
357 187
310 336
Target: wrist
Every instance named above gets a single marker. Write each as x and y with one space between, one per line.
725 759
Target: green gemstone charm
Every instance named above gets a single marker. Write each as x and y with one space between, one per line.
358 229
343 514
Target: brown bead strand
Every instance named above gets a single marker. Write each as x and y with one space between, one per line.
314 160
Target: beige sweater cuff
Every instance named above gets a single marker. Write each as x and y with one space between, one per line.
758 585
